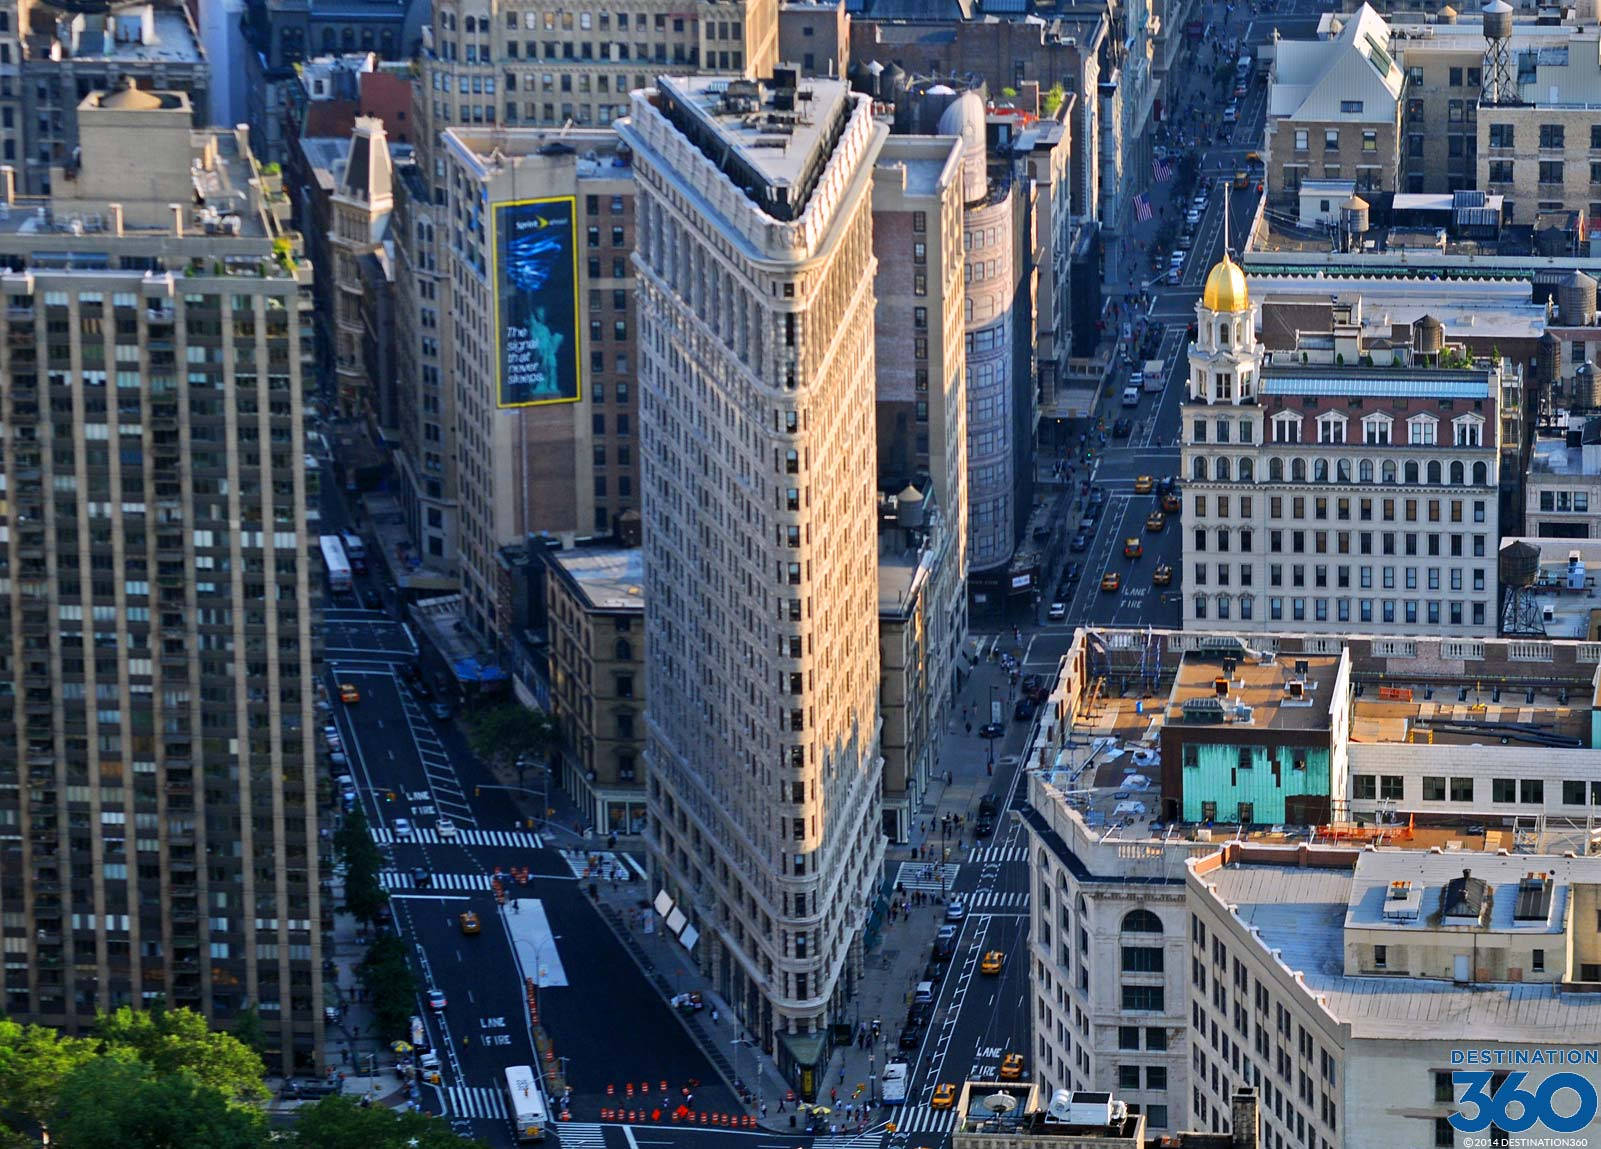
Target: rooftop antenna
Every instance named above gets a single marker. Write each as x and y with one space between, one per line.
1226 186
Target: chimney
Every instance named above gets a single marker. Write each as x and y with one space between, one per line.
114 222
1245 1129
177 218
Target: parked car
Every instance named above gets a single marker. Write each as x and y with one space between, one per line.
1023 711
441 710
436 999
910 1036
1057 613
983 825
955 910
992 730
1081 541
988 805
402 827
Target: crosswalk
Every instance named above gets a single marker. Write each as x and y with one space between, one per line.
926 876
476 1101
610 865
580 1135
400 880
923 1119
514 839
980 901
989 854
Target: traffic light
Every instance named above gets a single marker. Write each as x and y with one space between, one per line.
389 795
478 791
889 1126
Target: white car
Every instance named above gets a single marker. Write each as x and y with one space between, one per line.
445 828
1058 612
402 827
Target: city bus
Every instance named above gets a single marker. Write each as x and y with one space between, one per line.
894 1090
333 557
355 551
527 1103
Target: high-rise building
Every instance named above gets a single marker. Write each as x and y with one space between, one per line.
158 778
552 455
755 264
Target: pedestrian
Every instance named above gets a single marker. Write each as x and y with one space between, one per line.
969 728
714 1015
764 1109
781 1105
833 1093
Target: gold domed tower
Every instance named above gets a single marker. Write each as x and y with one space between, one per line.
1225 288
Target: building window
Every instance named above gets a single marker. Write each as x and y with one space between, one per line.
1143 997
1551 136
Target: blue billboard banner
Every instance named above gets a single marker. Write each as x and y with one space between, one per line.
535 245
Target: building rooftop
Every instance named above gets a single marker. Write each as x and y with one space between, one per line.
597 151
137 33
1298 915
772 138
1357 382
1482 891
1284 693
1477 309
609 578
1349 78
1559 456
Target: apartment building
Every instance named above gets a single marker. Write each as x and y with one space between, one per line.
360 206
523 62
756 272
426 465
1341 982
53 55
1327 495
550 447
1335 109
1113 977
1562 490
160 646
595 622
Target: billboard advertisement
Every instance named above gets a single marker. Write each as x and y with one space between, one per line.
535 278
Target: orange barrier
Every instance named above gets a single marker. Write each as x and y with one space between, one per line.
611 1089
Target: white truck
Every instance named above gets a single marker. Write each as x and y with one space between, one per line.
895 1076
1153 375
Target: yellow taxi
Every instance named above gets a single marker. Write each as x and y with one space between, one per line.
348 694
944 1096
1133 548
1171 503
1162 576
1111 580
991 962
1144 485
1155 521
1011 1067
469 923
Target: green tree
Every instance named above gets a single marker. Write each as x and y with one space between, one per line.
174 1040
364 897
119 1100
505 731
340 1123
390 984
34 1060
1051 99
249 1031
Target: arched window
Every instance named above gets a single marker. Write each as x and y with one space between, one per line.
1364 471
1223 468
1457 473
1223 332
1411 471
1275 470
1387 471
1141 922
1342 470
1320 470
330 39
1298 470
386 43
469 24
623 650
1434 472
1200 606
1198 468
1481 473
347 38
1247 471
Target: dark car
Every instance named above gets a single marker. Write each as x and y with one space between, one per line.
1122 428
1097 497
992 730
422 879
1070 575
441 710
910 1036
917 1017
1081 541
1023 711
935 969
988 805
421 690
983 825
411 672
371 599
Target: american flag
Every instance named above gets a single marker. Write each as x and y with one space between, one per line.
1142 208
1161 170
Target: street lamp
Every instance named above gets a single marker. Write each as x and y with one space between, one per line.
990 742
